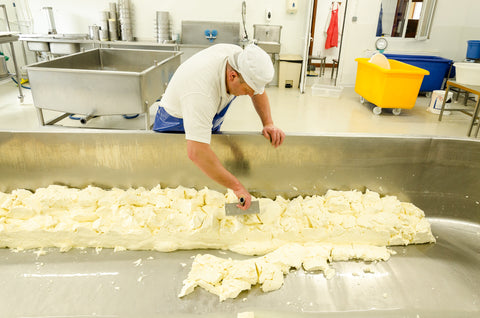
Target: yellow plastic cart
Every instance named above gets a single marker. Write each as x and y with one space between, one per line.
396 88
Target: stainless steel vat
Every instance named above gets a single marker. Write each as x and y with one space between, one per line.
102 82
440 175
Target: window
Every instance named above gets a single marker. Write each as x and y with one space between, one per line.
406 18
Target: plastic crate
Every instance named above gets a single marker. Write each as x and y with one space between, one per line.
397 87
473 49
326 90
436 65
468 73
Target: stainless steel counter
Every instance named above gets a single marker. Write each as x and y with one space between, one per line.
439 175
59 44
85 40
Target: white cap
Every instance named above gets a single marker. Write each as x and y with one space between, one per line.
255 66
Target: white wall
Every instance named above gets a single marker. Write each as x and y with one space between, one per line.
75 16
454 23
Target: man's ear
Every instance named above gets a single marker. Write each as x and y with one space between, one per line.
232 75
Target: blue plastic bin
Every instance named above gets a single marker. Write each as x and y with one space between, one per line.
436 65
473 49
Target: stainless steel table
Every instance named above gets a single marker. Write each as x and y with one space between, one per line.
322 60
474 89
10 37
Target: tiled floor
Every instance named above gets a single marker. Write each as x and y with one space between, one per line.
295 113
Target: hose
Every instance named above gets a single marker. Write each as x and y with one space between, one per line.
73 117
13 79
130 116
12 76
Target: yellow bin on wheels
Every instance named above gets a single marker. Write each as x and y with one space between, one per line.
395 88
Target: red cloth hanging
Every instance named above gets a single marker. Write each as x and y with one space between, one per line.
332 31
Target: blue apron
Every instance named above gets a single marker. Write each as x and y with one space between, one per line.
164 122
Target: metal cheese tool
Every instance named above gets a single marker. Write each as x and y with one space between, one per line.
231 209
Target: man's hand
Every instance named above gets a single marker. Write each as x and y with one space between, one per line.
243 193
270 131
274 134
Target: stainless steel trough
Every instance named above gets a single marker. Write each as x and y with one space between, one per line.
439 175
102 82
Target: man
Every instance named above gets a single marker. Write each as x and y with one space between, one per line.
199 94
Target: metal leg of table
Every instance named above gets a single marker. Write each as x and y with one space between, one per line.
322 63
322 66
474 117
334 65
336 75
41 119
17 74
57 119
147 119
443 103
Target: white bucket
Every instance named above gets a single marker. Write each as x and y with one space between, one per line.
437 100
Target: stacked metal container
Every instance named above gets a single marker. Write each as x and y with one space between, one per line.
104 16
125 20
112 22
116 24
162 26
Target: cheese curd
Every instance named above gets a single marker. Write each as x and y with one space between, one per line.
227 278
306 231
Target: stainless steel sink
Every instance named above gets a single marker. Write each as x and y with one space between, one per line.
55 43
268 37
64 48
269 47
38 46
48 37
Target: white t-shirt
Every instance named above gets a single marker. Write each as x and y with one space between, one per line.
197 91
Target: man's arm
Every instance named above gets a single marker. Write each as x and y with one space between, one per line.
270 131
204 157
